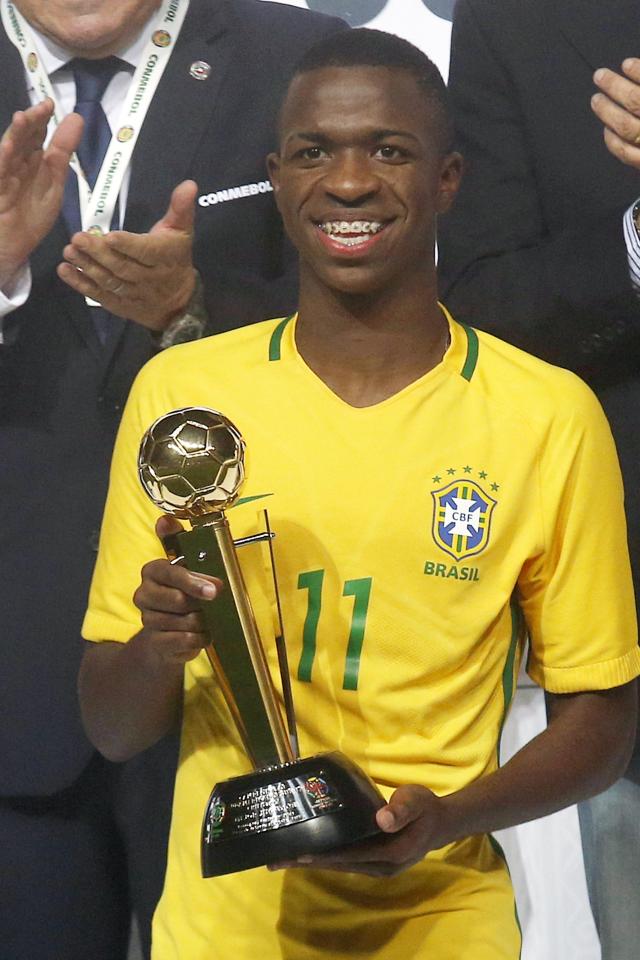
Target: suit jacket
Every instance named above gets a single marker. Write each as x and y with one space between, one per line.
533 249
61 393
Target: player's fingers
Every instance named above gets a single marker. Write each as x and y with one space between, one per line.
180 647
162 573
152 597
378 849
624 91
617 119
172 622
372 868
167 525
406 805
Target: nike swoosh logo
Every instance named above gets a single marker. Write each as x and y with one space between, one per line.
259 496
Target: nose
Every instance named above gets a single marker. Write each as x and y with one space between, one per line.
350 180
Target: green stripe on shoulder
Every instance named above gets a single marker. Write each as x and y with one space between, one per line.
472 352
275 342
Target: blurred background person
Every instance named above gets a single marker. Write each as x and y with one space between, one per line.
542 249
189 92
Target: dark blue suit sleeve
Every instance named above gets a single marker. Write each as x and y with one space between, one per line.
514 259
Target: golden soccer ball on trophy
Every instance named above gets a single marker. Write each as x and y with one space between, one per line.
191 462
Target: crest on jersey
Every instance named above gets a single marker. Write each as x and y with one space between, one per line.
462 518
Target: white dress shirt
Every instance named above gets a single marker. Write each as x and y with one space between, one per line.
633 247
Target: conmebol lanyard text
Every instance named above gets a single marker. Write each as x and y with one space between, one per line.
97 206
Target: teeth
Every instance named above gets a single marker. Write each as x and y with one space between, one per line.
353 227
350 241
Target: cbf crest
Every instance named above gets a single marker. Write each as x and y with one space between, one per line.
462 518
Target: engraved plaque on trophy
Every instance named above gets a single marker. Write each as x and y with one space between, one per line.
191 464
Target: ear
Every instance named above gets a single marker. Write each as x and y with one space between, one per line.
450 177
273 169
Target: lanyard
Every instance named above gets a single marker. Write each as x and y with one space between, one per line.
97 206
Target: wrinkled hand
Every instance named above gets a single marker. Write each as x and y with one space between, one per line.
168 598
412 823
148 278
618 106
32 181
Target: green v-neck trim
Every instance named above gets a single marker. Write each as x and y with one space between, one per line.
275 341
461 356
471 359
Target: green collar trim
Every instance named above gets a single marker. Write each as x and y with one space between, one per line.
275 343
471 360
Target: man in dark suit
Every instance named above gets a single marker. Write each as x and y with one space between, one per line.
539 251
79 838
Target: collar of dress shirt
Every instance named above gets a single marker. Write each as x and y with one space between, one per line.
54 57
54 60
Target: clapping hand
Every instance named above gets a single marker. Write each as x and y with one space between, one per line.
148 278
618 106
32 182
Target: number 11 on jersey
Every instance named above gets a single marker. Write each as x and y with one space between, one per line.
360 590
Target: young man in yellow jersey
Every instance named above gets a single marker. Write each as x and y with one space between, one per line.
434 490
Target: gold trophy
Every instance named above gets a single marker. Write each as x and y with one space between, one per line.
191 464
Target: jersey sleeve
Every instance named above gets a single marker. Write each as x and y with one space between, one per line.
577 593
127 537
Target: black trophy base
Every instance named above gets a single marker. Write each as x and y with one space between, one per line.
284 812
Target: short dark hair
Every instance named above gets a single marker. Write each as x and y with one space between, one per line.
375 48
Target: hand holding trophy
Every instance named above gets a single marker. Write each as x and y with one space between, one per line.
191 464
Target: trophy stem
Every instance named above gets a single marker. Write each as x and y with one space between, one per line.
246 616
227 693
235 651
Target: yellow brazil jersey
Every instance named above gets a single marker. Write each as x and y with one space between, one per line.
413 539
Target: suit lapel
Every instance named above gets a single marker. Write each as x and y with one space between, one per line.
179 113
604 34
178 116
14 95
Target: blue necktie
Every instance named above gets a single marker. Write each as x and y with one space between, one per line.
92 77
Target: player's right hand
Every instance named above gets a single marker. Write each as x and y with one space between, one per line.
169 598
32 182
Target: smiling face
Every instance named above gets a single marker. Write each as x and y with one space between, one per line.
88 28
361 177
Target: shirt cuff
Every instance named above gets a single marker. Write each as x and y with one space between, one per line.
632 241
15 294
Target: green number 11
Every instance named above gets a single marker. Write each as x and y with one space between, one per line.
360 590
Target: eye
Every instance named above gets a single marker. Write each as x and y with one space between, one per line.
311 153
390 152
